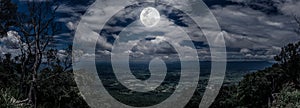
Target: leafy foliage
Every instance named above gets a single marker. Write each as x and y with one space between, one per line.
226 98
267 88
8 99
287 98
56 87
41 76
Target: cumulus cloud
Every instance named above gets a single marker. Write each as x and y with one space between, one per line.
12 40
249 32
155 46
245 50
11 43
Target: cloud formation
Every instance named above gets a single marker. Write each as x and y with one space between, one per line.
255 31
11 44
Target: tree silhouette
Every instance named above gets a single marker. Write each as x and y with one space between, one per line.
37 28
8 12
268 87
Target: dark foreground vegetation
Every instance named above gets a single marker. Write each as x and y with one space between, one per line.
276 86
37 75
33 72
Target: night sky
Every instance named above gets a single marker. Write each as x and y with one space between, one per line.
253 30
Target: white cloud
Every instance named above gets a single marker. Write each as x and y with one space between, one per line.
252 29
245 50
71 25
243 28
11 44
291 7
12 40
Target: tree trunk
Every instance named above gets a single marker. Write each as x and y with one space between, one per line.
38 58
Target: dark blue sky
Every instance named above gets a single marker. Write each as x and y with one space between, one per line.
253 30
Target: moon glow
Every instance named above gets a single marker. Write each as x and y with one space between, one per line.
150 17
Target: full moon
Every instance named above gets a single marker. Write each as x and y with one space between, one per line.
150 17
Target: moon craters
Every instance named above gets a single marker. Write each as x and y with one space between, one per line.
150 17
